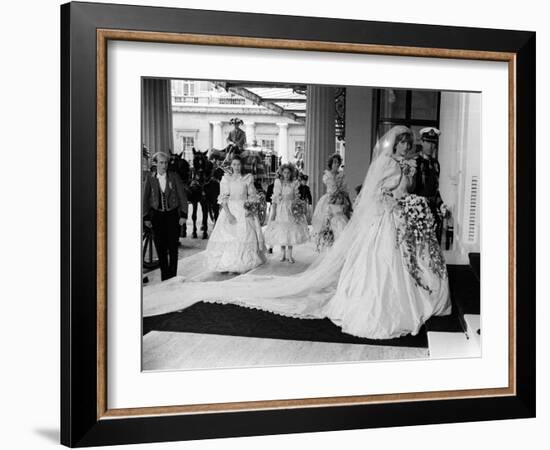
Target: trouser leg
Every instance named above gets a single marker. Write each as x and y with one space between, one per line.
161 243
172 233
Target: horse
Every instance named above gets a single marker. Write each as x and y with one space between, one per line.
178 164
204 189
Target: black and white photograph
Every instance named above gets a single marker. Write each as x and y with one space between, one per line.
287 223
275 225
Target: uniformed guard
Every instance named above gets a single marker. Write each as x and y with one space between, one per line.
427 174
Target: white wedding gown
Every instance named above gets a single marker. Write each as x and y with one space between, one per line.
362 283
237 247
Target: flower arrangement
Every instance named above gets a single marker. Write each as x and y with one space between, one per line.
408 166
299 209
325 238
251 208
416 233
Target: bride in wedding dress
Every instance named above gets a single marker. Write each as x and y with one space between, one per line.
383 278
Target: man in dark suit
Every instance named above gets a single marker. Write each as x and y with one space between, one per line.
303 189
165 210
426 181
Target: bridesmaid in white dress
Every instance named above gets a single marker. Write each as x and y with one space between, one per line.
330 214
236 244
284 228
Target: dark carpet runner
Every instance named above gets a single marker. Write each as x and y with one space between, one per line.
233 320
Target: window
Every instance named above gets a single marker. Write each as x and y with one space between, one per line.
183 88
188 144
415 109
268 145
189 88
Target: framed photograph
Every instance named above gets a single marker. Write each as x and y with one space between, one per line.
277 224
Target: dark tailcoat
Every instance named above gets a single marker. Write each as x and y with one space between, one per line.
165 218
426 184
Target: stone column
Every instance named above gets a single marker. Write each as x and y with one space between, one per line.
250 130
217 138
358 135
320 136
283 142
156 112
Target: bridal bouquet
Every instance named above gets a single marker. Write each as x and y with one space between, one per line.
408 166
251 208
325 238
299 210
416 233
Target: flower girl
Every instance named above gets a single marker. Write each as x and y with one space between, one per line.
288 225
333 209
236 244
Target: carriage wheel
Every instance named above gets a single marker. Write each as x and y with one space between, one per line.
149 252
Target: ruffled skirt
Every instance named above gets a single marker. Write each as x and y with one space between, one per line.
286 229
237 247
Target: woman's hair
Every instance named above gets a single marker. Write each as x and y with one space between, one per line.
290 167
236 158
406 136
332 158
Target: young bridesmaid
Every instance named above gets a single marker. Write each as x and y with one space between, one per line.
236 244
287 227
333 209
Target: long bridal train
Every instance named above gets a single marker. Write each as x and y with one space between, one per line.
372 283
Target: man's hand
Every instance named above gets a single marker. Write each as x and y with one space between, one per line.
148 224
182 221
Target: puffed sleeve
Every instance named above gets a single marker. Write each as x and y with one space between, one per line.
390 175
326 176
251 190
277 191
224 191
